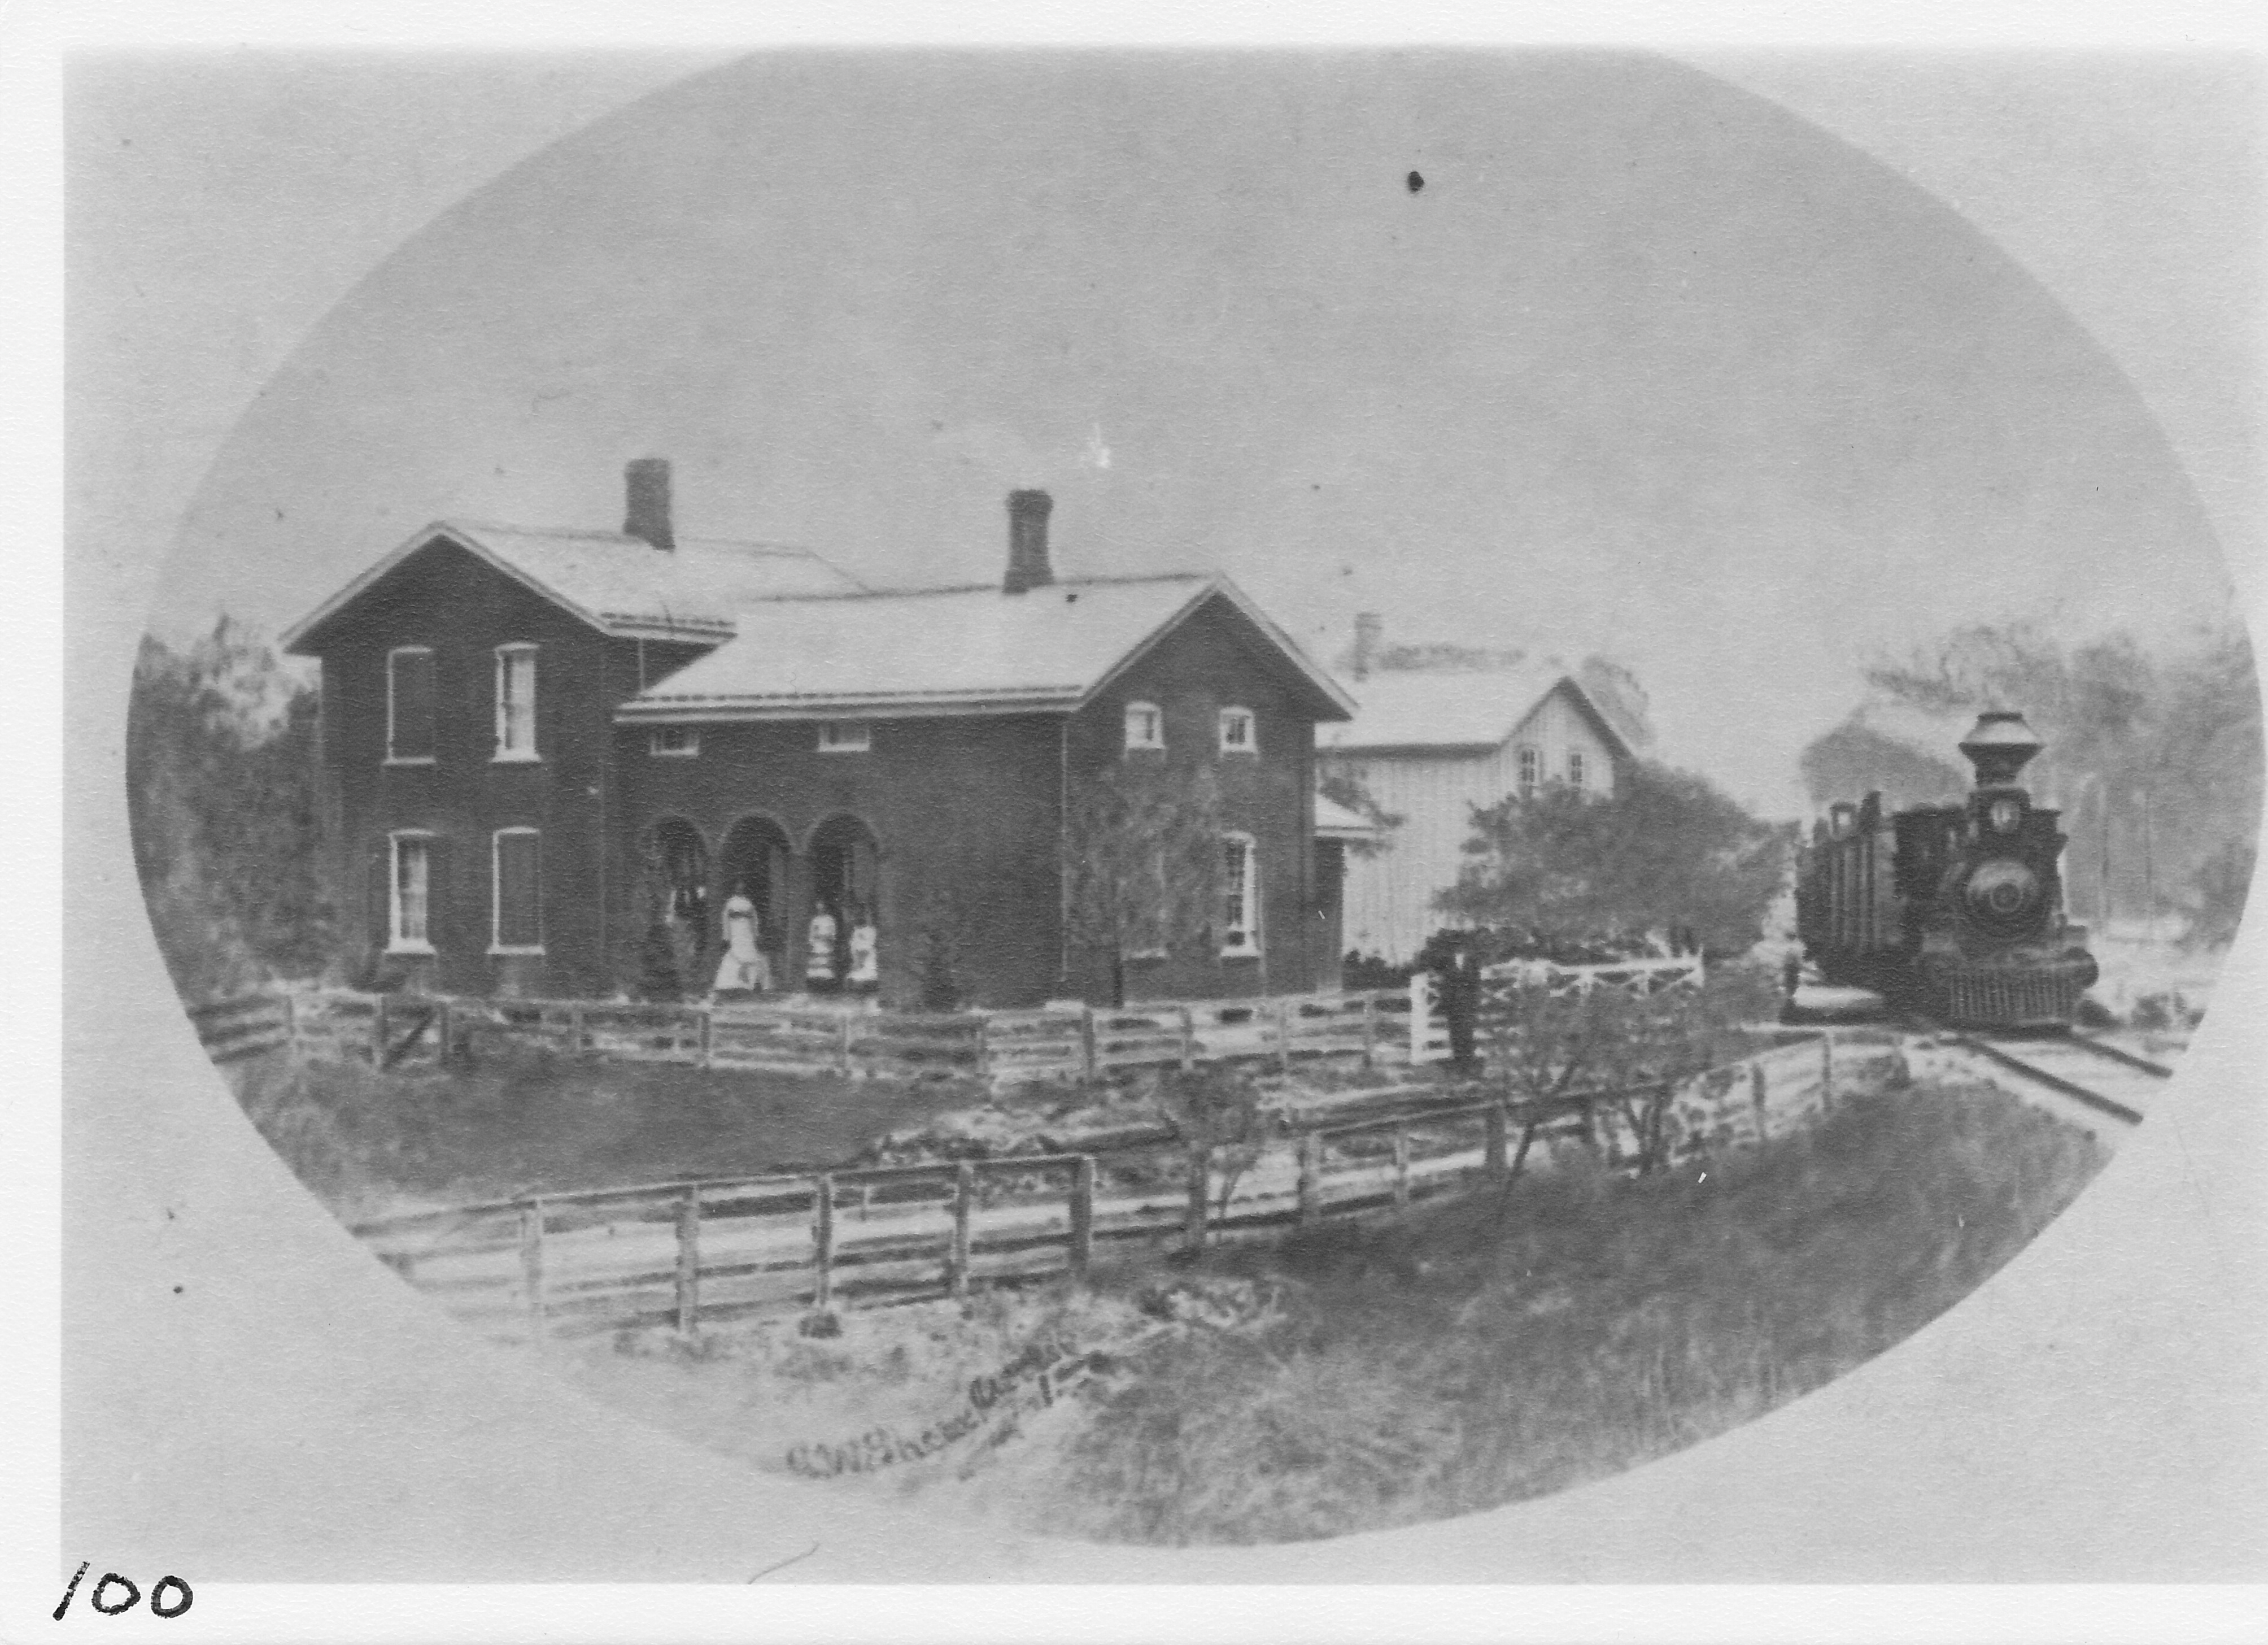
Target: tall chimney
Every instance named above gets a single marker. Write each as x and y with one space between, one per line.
1369 630
1027 542
645 513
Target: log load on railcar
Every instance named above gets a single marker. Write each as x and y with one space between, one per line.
1952 911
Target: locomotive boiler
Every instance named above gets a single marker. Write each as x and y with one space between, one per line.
1952 911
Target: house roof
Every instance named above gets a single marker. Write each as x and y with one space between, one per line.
1334 820
1465 711
621 584
967 650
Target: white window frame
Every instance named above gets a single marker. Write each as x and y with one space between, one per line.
1575 764
846 736
1248 927
1527 767
1152 738
496 944
391 758
1236 715
396 942
505 656
654 742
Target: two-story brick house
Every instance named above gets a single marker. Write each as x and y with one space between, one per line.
527 731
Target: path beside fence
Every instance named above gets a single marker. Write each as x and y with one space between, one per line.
685 1252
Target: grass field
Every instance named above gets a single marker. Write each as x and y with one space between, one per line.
1493 1351
366 1143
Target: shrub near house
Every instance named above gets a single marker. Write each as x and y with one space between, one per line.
544 743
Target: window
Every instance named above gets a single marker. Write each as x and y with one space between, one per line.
675 742
409 894
409 707
1531 772
1146 725
518 907
1236 734
515 702
1239 896
845 736
1575 767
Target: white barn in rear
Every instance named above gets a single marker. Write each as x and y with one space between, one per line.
1429 747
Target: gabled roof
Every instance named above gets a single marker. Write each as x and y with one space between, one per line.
623 585
958 650
1468 713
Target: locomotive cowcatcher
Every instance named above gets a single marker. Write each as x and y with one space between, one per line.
1952 911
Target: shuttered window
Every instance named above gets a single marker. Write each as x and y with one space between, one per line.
1239 896
410 704
519 890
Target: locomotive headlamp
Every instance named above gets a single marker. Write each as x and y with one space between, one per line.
2002 894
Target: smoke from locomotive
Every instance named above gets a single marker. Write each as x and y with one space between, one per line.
1953 911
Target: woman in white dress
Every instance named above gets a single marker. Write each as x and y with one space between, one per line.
743 969
865 973
819 953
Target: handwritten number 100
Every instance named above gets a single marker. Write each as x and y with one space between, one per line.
168 1598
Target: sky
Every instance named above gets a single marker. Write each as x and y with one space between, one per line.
1652 363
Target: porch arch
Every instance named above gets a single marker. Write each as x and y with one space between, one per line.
674 907
754 858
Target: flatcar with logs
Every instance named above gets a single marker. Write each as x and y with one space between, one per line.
1953 912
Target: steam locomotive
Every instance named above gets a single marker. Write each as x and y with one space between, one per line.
1952 911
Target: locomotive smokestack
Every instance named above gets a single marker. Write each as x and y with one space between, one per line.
1999 746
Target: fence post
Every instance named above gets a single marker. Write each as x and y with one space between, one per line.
688 1260
706 1016
1827 1070
822 1240
1188 1036
964 1191
1421 1014
378 1034
1193 1226
442 1027
984 1050
1311 1177
1283 1014
1369 1031
1086 1043
575 1027
1400 1168
842 1047
1757 1093
1082 1215
531 1264
1492 1141
292 1026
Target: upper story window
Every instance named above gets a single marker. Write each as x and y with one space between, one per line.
675 742
1240 887
1575 767
409 706
409 894
1237 735
1146 725
845 736
516 911
515 702
1531 772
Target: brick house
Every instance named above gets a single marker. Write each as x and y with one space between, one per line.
527 732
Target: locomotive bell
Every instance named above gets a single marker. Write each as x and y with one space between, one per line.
1999 746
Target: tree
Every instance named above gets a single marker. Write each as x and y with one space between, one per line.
224 800
1855 759
1665 849
1144 867
1346 789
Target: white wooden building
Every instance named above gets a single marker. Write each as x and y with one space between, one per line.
1431 747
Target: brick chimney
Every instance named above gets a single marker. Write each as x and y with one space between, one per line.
1369 633
1027 542
645 509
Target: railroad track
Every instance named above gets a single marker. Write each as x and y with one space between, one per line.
2096 1085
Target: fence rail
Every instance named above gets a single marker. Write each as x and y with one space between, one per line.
681 1253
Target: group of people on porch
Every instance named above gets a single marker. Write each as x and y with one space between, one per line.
842 953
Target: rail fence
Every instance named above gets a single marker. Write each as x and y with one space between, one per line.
1389 1026
681 1253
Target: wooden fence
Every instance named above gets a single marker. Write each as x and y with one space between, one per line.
684 1253
232 1030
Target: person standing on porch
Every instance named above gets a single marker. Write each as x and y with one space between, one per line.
865 975
743 969
819 956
